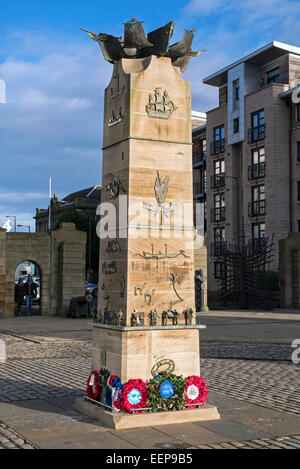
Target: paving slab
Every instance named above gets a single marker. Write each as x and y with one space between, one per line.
192 434
149 438
234 430
99 440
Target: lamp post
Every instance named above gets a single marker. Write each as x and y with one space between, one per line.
15 221
24 226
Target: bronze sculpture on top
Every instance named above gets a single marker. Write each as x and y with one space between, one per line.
135 44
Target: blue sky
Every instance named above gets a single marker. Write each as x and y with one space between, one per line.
55 76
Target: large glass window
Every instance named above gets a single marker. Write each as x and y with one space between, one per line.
273 76
258 126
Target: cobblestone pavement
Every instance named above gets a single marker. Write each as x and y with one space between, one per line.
43 378
262 374
270 384
246 351
11 440
17 347
282 442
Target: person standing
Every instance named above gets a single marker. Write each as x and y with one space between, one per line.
30 292
19 296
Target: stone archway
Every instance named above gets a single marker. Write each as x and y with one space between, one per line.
60 255
22 271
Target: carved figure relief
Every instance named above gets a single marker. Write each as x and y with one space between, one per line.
188 316
122 286
113 246
160 255
115 187
161 190
109 268
138 289
175 280
148 296
160 105
115 118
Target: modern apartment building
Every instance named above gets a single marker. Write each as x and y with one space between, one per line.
199 169
253 154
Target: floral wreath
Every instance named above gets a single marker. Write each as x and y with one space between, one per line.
133 396
112 391
93 386
196 391
159 399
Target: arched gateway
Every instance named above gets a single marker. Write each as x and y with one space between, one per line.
59 254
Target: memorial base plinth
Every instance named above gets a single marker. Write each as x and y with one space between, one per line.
122 421
130 353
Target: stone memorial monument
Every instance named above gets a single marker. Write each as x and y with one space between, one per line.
146 309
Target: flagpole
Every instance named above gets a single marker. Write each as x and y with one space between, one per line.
50 197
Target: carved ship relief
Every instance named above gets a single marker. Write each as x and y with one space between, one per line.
160 106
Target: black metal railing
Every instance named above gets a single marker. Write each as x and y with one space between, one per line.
258 244
217 214
218 248
257 208
217 147
256 171
256 134
217 181
199 156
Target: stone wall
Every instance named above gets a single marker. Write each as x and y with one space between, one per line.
289 268
60 255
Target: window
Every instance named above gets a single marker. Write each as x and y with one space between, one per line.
257 168
298 190
273 76
218 145
236 93
219 167
258 230
219 200
258 155
258 205
298 151
236 125
219 270
258 193
219 234
219 133
258 126
299 226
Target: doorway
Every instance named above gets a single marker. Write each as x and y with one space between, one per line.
28 305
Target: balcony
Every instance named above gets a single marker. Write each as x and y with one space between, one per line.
218 248
258 244
256 134
199 157
256 171
217 214
198 188
257 208
217 147
217 181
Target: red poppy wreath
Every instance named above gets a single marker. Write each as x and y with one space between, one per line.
93 387
134 396
196 391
